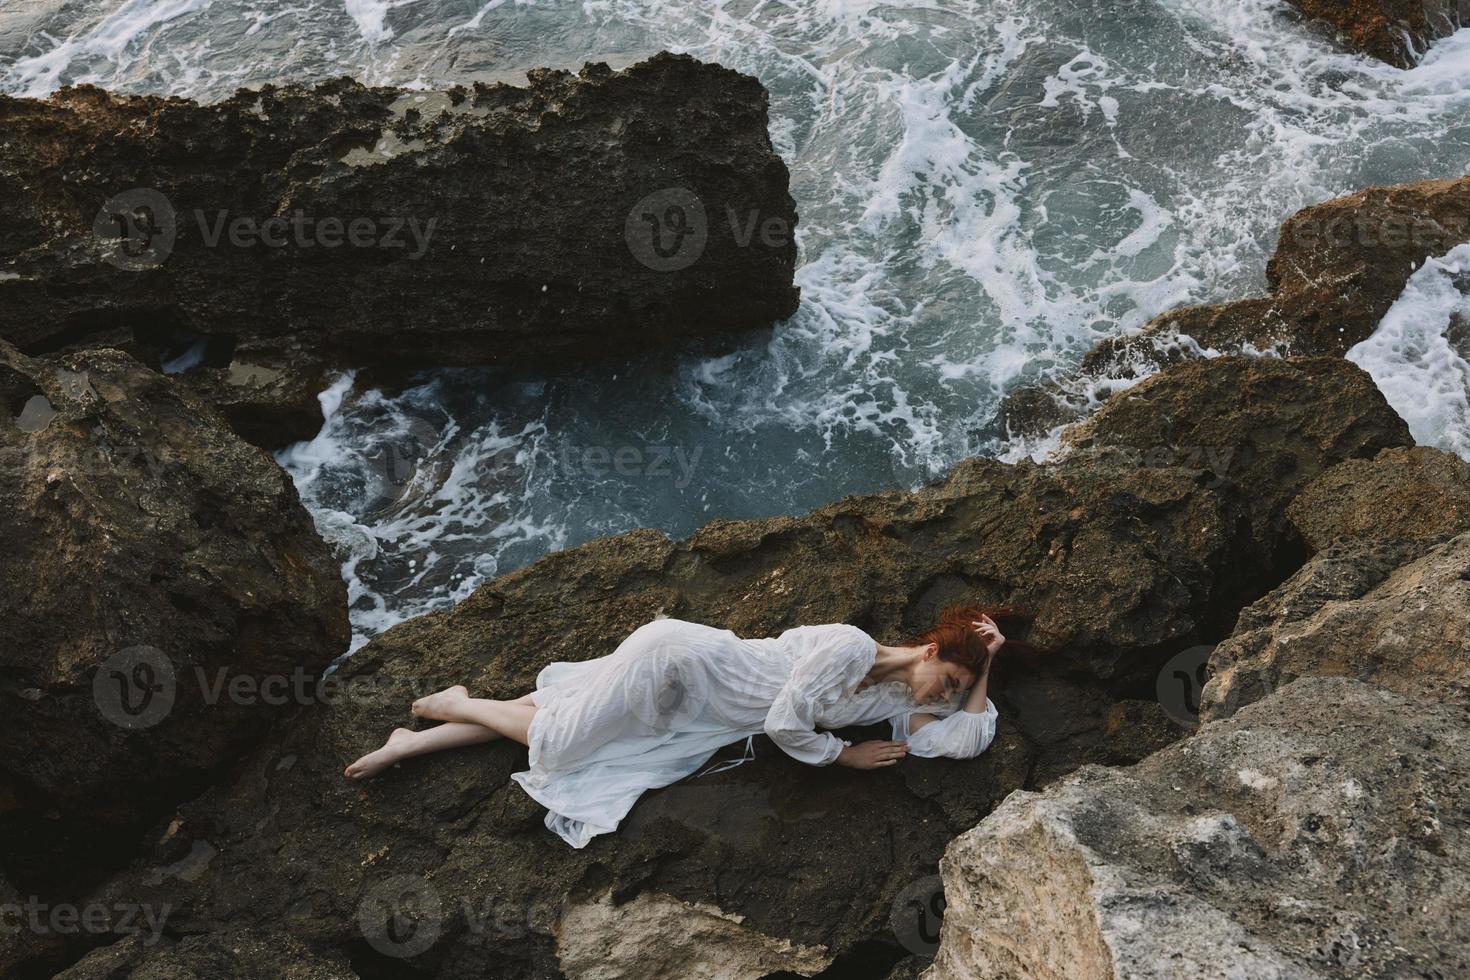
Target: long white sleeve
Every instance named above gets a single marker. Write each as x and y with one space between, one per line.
817 682
961 735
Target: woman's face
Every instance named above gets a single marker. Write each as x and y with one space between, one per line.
934 681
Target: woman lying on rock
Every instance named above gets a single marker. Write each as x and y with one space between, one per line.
603 731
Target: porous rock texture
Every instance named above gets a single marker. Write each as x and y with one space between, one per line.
1395 31
1396 613
809 860
137 526
1122 563
1319 832
236 956
1414 492
1267 425
579 215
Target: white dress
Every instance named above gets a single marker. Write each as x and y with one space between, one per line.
652 711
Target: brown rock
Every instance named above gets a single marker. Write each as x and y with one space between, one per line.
238 956
298 219
1405 492
1337 268
1266 425
1395 31
1122 566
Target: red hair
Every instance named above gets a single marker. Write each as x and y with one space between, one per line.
960 644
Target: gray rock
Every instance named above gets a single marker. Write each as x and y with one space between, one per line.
1394 613
1318 833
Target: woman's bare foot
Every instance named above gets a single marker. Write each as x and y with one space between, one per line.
375 762
440 706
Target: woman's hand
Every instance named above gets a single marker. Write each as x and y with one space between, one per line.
872 755
990 634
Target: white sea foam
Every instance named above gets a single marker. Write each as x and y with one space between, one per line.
116 39
1417 356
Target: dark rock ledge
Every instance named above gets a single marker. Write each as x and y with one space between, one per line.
581 215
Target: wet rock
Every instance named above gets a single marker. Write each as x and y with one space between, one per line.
1337 268
239 956
267 392
581 215
1266 425
150 555
1395 31
1406 492
1395 613
1314 834
1122 566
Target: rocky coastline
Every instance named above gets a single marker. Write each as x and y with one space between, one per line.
1247 744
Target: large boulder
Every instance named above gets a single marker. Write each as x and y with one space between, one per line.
1317 833
149 556
1337 268
1411 492
378 227
1266 425
774 866
1395 612
1395 31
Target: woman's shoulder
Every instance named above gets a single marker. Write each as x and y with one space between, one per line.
835 636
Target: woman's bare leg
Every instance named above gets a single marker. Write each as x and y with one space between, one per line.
405 743
510 718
